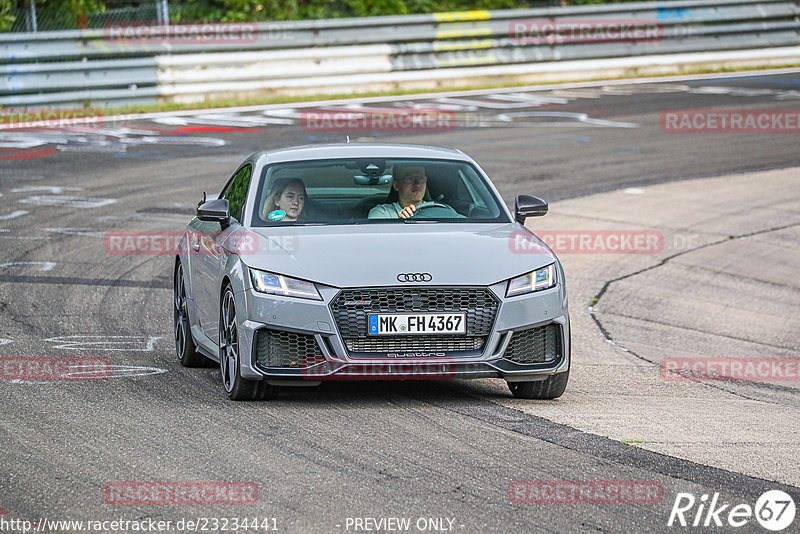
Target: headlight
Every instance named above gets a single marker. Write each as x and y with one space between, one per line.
277 284
543 278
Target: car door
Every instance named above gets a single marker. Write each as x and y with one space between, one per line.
211 257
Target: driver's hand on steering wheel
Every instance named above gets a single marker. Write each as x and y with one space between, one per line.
407 212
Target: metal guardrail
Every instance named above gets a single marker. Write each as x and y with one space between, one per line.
93 67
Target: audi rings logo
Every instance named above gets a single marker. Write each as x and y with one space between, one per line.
414 277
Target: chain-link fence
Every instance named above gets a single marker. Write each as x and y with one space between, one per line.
36 16
42 15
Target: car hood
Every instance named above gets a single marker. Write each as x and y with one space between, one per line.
374 254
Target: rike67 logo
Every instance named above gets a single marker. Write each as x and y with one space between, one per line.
774 510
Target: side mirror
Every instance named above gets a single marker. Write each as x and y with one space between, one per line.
528 206
216 210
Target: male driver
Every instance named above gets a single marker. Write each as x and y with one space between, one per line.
410 182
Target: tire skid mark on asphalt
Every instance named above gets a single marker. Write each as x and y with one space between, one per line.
690 329
739 276
108 297
607 335
67 280
605 448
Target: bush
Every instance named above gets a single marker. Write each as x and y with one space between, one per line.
66 14
6 18
266 10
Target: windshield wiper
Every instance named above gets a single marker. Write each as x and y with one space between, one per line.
420 221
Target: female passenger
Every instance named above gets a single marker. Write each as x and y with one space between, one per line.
285 202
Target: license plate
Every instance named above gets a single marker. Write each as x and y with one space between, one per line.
379 324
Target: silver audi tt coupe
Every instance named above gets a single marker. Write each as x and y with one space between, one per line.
369 261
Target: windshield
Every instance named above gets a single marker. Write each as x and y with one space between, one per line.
374 191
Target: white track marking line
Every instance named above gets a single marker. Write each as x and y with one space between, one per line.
56 190
42 265
421 96
13 215
67 201
96 342
86 232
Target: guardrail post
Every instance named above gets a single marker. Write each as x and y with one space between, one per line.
32 26
162 12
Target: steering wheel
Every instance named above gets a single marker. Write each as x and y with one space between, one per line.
428 205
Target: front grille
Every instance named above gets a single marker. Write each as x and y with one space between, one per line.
478 303
279 348
535 345
415 343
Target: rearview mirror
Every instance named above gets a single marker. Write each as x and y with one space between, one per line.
216 210
360 179
528 206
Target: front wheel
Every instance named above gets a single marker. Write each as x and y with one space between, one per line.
550 388
236 387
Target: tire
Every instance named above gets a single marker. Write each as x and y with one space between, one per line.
236 387
550 388
182 332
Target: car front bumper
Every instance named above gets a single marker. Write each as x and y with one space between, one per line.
316 323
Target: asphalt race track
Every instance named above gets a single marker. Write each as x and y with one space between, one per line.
445 455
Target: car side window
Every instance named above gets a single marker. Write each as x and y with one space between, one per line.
236 191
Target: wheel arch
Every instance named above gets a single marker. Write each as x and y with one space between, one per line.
183 262
226 281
